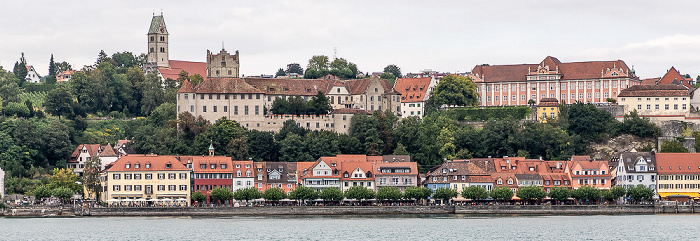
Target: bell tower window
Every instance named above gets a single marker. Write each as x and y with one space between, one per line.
153 39
162 49
152 50
223 64
162 38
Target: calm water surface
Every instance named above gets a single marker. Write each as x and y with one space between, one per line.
387 227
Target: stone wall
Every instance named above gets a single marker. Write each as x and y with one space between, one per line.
688 142
548 209
294 210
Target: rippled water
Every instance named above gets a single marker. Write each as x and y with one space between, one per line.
386 227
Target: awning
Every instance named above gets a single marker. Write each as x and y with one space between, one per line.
678 194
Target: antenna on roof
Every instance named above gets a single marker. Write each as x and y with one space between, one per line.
335 53
161 12
222 45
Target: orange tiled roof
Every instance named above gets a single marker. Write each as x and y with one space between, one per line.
660 90
413 89
568 71
548 102
678 163
158 163
176 66
675 77
186 87
224 86
291 87
351 111
208 160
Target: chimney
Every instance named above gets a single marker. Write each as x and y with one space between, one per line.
489 157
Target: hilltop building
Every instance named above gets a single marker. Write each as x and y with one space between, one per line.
414 93
548 108
32 75
86 152
587 82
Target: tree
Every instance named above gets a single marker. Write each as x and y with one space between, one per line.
640 193
673 147
199 197
587 194
333 194
418 193
389 193
642 127
394 70
502 194
318 63
280 72
445 193
291 149
475 193
359 193
59 102
319 104
456 90
63 177
196 79
16 109
101 57
295 68
62 66
41 192
52 68
274 194
246 194
388 76
62 193
400 150
20 70
91 176
531 193
302 194
221 194
614 193
237 148
560 194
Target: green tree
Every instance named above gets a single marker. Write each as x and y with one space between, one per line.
400 150
587 194
16 109
62 177
531 193
394 70
302 194
59 102
62 193
199 197
274 194
502 194
237 148
388 76
262 145
359 193
318 63
319 104
673 147
560 194
445 194
20 70
247 194
51 78
221 195
333 194
389 194
418 193
291 149
196 79
62 66
642 127
41 192
640 193
91 176
454 90
295 68
587 121
280 72
475 193
614 193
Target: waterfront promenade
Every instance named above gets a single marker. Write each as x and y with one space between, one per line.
351 210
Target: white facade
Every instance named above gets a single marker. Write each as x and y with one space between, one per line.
635 168
2 184
322 176
32 75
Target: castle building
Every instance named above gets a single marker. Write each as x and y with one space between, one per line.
222 65
587 82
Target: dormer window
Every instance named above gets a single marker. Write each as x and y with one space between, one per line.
136 166
238 166
333 164
127 166
223 166
346 175
444 170
212 166
202 166
168 165
148 165
247 166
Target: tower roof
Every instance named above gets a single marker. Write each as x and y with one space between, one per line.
156 23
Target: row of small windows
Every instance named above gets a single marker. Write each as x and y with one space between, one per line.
147 176
552 86
533 97
235 109
679 186
149 188
152 50
162 38
666 107
226 96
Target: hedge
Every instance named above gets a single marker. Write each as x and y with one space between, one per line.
488 113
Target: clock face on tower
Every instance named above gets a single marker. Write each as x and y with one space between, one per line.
162 30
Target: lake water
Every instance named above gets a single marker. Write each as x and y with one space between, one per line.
386 227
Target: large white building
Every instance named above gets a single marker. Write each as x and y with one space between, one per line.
2 184
32 75
635 168
85 152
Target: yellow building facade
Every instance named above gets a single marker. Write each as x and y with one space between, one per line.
147 180
548 108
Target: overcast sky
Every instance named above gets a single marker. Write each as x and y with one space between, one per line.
446 36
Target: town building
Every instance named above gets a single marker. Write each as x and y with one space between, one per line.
587 82
526 180
64 76
147 179
280 175
85 152
548 108
585 171
399 174
414 93
2 184
505 179
660 102
356 174
32 75
460 174
636 168
243 175
324 173
678 176
210 172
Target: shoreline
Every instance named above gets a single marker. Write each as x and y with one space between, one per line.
346 210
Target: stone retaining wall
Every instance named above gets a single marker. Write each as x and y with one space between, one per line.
563 209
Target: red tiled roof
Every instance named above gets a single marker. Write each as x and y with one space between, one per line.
93 150
548 102
158 163
208 160
678 163
655 90
650 81
674 77
291 87
351 111
568 71
186 87
357 86
176 66
412 89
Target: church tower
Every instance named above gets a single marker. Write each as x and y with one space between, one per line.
158 43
